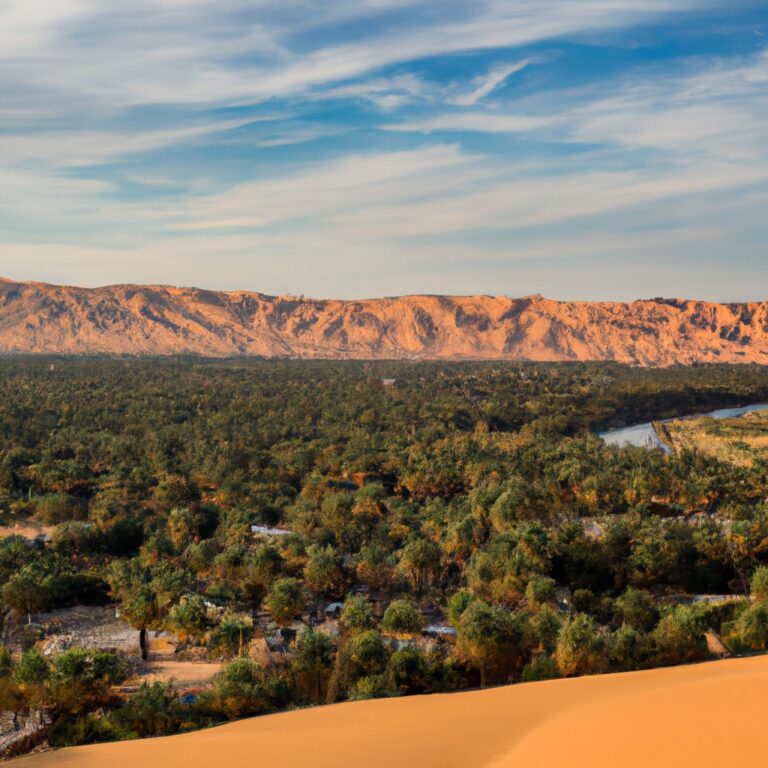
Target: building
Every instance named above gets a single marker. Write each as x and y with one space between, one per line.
267 531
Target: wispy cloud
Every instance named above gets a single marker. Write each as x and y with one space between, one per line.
476 122
265 142
490 82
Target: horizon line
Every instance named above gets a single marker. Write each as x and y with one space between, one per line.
304 297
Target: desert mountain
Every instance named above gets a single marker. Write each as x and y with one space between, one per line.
161 320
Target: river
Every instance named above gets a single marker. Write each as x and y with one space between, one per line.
645 436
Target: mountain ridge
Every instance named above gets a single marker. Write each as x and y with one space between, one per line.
134 319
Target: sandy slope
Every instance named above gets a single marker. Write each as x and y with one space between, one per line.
704 715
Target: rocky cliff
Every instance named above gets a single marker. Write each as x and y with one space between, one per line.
160 320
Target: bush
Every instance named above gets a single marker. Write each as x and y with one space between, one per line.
627 650
244 688
750 630
153 710
541 667
678 638
407 671
232 636
372 687
759 584
86 730
580 647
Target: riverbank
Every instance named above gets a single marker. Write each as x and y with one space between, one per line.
650 435
740 441
702 715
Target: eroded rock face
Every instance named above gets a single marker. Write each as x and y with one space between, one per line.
162 320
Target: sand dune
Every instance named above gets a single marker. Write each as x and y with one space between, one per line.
703 715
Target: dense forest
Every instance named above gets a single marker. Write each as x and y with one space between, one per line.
473 497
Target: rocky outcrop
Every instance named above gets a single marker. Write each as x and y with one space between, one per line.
38 318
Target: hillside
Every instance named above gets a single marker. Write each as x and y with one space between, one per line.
38 318
703 715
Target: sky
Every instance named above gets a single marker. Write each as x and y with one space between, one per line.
582 149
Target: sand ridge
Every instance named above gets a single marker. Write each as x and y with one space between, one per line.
701 715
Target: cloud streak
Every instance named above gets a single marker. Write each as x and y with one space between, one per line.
490 82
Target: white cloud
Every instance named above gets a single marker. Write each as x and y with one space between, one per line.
104 57
70 70
72 147
490 82
476 122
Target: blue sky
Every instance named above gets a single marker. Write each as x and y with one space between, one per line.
584 149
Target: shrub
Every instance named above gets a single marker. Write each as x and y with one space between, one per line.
153 710
759 584
541 667
370 687
750 630
678 638
407 671
580 648
232 636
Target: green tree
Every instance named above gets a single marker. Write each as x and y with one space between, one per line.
580 648
636 608
488 639
366 654
751 628
458 603
539 592
312 665
154 710
145 593
33 674
81 679
408 671
402 617
421 562
679 638
626 649
189 617
322 572
232 635
356 615
285 600
24 595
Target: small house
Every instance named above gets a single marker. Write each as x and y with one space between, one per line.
333 610
443 632
268 532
